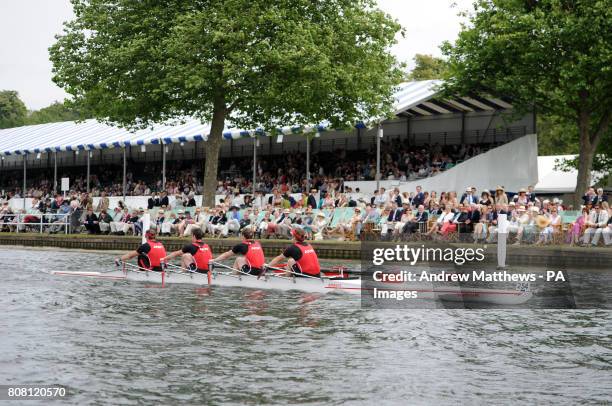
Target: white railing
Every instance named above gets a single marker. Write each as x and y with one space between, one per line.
59 222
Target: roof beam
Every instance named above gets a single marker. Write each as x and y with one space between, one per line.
446 106
476 103
461 106
435 107
419 112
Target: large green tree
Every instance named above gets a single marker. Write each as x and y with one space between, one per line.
554 55
13 112
247 63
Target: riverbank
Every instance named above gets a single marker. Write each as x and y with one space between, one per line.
557 256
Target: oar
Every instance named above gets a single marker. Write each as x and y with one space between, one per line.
295 273
136 268
190 271
240 271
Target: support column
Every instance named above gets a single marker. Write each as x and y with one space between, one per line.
255 141
55 172
408 129
25 159
307 163
163 165
124 172
463 127
88 170
379 135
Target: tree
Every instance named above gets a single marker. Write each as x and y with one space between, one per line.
553 55
54 113
246 63
12 110
427 67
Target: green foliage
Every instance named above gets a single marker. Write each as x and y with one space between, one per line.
269 63
552 54
556 136
427 67
12 110
54 113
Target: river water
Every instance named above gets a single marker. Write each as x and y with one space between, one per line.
123 342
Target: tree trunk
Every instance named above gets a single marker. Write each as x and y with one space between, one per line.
585 159
213 146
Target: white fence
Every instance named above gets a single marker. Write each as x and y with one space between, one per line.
58 223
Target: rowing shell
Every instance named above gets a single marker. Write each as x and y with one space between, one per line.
310 285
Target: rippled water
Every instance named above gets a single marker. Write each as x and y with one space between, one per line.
129 343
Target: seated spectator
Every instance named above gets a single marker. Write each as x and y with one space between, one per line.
418 222
406 218
553 221
528 228
104 221
91 223
578 227
598 219
603 224
153 201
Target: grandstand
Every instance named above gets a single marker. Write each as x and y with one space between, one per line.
422 118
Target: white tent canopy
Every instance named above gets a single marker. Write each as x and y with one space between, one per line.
553 180
91 134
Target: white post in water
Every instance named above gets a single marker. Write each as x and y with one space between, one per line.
255 142
502 237
379 135
124 173
146 224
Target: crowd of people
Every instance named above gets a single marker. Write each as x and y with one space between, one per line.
399 161
334 212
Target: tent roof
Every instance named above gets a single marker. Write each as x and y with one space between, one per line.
551 180
411 98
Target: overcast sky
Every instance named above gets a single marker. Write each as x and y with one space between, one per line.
28 27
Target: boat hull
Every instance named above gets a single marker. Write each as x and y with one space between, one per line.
310 285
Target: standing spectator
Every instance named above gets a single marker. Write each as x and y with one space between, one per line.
419 197
103 203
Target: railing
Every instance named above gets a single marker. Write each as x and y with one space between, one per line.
51 221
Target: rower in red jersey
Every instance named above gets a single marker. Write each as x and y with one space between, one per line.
150 254
301 258
196 255
250 256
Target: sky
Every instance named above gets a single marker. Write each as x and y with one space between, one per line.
28 28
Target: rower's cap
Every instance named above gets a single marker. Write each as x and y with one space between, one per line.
298 233
150 233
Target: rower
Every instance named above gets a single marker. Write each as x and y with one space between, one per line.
250 256
301 258
150 254
196 255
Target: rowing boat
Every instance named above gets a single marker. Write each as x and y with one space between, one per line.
233 278
223 275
